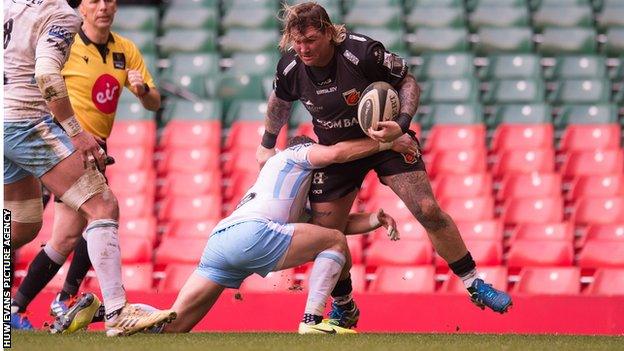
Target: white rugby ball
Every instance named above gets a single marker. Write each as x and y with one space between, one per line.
379 102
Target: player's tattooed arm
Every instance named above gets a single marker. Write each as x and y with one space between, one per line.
409 95
278 113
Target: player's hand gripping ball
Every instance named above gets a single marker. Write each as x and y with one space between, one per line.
379 102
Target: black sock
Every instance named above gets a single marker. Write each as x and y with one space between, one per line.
41 271
99 315
463 266
342 288
309 318
78 269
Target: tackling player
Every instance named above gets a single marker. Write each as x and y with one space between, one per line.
327 69
261 235
37 40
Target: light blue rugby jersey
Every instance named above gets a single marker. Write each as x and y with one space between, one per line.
281 191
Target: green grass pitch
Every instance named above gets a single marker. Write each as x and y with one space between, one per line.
293 342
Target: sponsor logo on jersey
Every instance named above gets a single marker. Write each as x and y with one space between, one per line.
411 159
326 90
338 123
396 64
356 37
86 59
289 67
349 55
319 178
352 97
311 107
119 60
105 93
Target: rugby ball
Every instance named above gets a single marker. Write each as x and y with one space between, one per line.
379 102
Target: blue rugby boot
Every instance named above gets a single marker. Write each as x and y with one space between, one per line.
484 295
344 316
19 321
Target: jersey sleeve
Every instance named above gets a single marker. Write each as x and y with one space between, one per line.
284 84
137 63
298 155
57 33
380 64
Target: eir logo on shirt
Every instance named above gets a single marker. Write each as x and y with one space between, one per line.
105 93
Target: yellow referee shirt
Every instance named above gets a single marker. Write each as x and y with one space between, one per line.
95 78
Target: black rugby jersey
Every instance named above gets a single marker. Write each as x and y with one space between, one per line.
359 61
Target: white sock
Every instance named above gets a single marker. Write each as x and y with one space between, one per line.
325 273
105 255
469 278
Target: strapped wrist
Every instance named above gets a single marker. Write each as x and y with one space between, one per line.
373 220
269 140
71 126
404 120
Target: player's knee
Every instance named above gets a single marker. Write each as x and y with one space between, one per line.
430 215
91 194
339 241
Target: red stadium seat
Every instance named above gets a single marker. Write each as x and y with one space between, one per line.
135 249
596 254
201 207
192 229
463 185
140 227
180 250
280 281
469 209
497 276
189 134
549 281
132 182
591 137
543 232
140 133
27 253
529 185
135 277
135 206
405 252
490 229
599 162
358 278
457 162
527 253
247 135
533 210
201 183
522 136
404 279
175 277
484 253
131 158
607 281
455 137
191 160
240 161
369 186
599 210
524 161
596 186
409 229
606 232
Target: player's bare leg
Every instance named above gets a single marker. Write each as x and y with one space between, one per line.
334 215
24 192
415 191
195 299
73 184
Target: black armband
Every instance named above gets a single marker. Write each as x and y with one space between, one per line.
404 120
269 140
